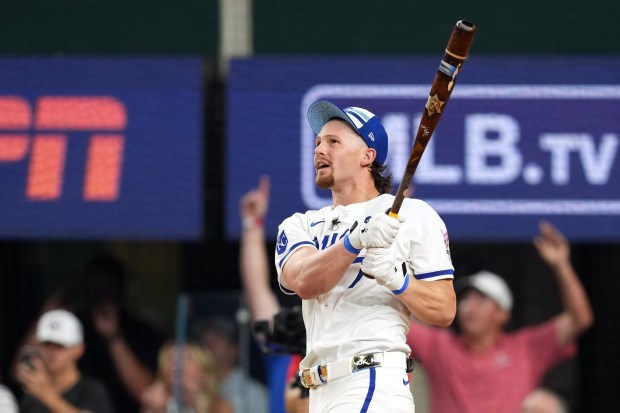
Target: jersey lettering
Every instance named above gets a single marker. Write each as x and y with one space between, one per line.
328 240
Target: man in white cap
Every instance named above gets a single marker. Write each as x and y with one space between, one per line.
50 376
484 369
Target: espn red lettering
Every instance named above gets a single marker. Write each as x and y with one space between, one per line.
80 113
47 163
13 147
57 114
103 167
14 115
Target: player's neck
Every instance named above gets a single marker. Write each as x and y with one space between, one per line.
353 194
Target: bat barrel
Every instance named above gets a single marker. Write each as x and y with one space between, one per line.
455 54
460 40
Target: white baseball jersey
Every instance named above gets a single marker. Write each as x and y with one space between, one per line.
359 315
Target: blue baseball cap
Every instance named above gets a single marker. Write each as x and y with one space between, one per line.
364 122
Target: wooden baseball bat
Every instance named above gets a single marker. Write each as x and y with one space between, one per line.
441 89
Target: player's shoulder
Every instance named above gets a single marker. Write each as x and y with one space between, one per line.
304 218
411 207
380 203
417 206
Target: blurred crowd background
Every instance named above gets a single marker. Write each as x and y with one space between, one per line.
203 267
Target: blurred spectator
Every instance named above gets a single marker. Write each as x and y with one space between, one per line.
484 369
50 376
544 401
254 260
296 397
220 336
196 372
264 305
8 404
122 344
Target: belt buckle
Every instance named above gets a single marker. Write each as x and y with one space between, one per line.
364 361
308 379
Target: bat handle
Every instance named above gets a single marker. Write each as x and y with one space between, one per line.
393 214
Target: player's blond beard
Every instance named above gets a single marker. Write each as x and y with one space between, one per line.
327 182
324 182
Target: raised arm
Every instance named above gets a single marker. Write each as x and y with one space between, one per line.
576 316
253 253
135 376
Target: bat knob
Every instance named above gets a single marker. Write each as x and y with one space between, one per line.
466 25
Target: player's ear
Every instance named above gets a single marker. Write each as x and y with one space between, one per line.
369 157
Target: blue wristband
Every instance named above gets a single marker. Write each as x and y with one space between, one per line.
349 247
404 287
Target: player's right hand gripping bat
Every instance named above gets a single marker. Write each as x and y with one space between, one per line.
441 89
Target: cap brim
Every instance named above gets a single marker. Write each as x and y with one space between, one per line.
61 341
319 113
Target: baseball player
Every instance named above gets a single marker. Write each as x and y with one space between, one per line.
357 358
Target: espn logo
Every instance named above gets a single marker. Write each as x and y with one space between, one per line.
40 136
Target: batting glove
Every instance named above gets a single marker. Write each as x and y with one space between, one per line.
378 231
380 263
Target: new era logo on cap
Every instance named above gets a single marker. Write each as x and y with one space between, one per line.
367 125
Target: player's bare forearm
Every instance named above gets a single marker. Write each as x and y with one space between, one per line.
433 302
255 274
311 273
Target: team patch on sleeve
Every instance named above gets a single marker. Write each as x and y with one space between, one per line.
282 243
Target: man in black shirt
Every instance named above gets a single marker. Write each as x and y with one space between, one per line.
122 343
49 375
